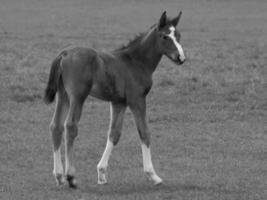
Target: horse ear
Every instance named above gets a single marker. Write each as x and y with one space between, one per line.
176 20
163 20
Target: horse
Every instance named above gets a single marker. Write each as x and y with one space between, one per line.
122 77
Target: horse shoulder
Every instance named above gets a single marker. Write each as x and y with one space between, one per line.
139 82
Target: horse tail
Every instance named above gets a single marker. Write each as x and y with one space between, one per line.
53 81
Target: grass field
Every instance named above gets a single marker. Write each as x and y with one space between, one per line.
208 117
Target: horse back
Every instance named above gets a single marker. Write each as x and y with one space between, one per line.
103 75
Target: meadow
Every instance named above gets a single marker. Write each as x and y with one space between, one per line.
208 117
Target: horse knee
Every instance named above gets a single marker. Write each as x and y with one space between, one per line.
56 128
56 131
114 136
145 137
71 130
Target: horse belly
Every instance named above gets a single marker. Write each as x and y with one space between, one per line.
107 92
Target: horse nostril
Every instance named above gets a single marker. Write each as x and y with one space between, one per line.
179 59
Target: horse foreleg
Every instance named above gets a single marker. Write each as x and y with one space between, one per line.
139 112
116 118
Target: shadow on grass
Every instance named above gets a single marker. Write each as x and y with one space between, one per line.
146 188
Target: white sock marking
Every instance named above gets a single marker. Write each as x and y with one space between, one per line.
69 168
148 166
178 46
147 162
103 163
58 167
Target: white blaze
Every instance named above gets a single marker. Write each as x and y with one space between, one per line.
178 46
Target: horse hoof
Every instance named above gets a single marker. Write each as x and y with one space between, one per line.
152 176
101 176
72 182
158 181
59 179
102 182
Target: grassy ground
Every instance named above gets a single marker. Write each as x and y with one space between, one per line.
208 117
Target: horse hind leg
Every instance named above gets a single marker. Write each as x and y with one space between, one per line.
56 130
71 127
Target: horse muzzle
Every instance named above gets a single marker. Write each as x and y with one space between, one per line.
178 59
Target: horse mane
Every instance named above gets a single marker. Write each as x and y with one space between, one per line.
132 42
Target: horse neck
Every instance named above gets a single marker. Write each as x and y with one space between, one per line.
146 52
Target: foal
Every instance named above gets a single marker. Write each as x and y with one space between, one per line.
123 77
